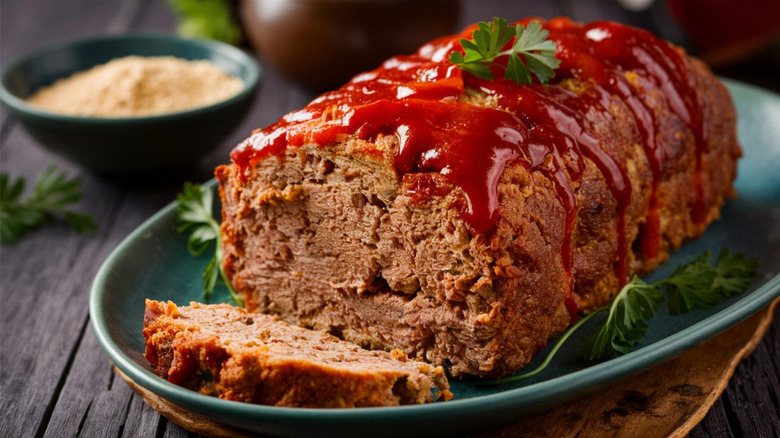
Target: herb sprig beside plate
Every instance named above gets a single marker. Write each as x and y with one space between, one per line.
51 198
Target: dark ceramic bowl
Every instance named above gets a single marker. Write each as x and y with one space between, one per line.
127 145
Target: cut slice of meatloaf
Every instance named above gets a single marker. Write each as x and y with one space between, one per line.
466 221
237 355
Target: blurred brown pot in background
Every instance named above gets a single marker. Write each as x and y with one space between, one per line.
323 43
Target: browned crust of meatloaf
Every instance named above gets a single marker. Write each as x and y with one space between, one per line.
330 238
228 352
595 238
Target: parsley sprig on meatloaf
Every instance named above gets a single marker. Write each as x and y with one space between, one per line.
531 53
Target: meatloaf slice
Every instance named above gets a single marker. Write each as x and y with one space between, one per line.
465 221
228 352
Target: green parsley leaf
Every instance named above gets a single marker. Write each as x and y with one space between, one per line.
531 54
51 196
688 287
733 274
698 285
693 285
209 19
195 219
626 322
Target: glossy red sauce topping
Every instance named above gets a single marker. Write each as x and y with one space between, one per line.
418 99
602 53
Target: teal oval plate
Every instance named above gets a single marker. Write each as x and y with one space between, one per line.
153 263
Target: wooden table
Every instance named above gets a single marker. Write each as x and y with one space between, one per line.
55 379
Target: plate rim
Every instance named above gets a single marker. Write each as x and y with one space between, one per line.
501 403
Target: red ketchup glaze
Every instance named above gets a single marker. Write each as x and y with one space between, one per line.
543 127
610 51
567 163
441 138
563 111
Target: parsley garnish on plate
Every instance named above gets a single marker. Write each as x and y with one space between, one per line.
51 196
626 322
697 285
530 54
693 285
195 220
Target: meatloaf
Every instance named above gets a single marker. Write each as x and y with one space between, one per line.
467 221
251 357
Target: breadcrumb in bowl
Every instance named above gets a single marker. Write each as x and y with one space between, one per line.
127 145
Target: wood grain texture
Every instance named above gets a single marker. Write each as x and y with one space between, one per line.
45 306
140 418
54 378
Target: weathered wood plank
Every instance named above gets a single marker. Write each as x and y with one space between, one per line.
89 377
141 419
153 16
752 396
76 403
27 24
105 413
45 279
151 423
715 424
172 430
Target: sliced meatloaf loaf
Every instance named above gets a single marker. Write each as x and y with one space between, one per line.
251 357
466 221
